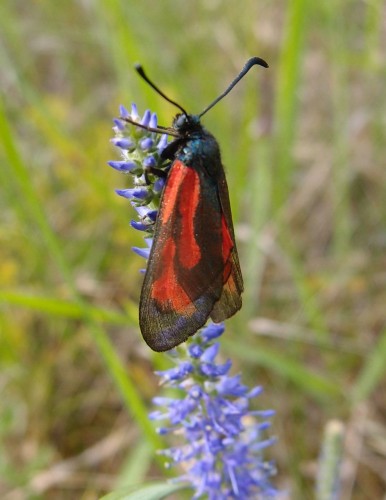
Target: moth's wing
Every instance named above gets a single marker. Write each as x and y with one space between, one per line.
185 274
230 300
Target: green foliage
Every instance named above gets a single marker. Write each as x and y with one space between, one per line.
156 491
303 145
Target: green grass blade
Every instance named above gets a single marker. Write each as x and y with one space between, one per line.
372 373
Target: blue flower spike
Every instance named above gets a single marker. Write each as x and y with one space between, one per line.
140 152
223 440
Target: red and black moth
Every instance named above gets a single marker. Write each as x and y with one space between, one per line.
193 272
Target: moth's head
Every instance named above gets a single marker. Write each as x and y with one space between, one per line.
186 124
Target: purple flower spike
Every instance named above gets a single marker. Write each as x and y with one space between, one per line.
222 439
140 150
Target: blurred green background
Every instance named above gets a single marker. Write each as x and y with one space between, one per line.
303 146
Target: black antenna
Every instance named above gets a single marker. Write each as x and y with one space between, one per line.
248 65
157 130
142 73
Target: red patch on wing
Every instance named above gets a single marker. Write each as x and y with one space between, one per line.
166 290
189 252
182 196
227 247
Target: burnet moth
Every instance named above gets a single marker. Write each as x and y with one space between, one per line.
193 271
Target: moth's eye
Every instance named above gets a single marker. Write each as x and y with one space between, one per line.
180 120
